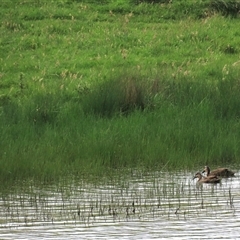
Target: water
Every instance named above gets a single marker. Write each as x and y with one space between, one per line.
159 205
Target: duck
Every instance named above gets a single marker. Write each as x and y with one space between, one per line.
210 179
219 172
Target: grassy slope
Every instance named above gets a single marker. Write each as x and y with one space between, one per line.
55 55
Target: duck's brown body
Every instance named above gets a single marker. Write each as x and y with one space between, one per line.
219 172
210 179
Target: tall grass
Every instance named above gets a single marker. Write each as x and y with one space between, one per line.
181 125
87 87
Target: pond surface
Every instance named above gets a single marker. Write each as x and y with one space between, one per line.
159 205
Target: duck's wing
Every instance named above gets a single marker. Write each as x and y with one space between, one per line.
223 172
212 176
212 180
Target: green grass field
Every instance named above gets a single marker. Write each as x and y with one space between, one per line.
87 87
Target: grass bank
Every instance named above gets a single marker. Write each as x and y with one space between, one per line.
88 87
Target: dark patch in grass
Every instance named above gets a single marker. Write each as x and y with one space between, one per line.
230 50
151 1
227 7
43 109
122 95
125 95
4 99
34 16
91 1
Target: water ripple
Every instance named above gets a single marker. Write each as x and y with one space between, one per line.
141 206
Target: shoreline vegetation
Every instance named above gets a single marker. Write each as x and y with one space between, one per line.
89 87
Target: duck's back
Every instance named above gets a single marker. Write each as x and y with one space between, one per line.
222 172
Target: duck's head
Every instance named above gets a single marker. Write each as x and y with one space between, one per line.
197 175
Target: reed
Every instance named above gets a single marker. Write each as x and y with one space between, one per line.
82 204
